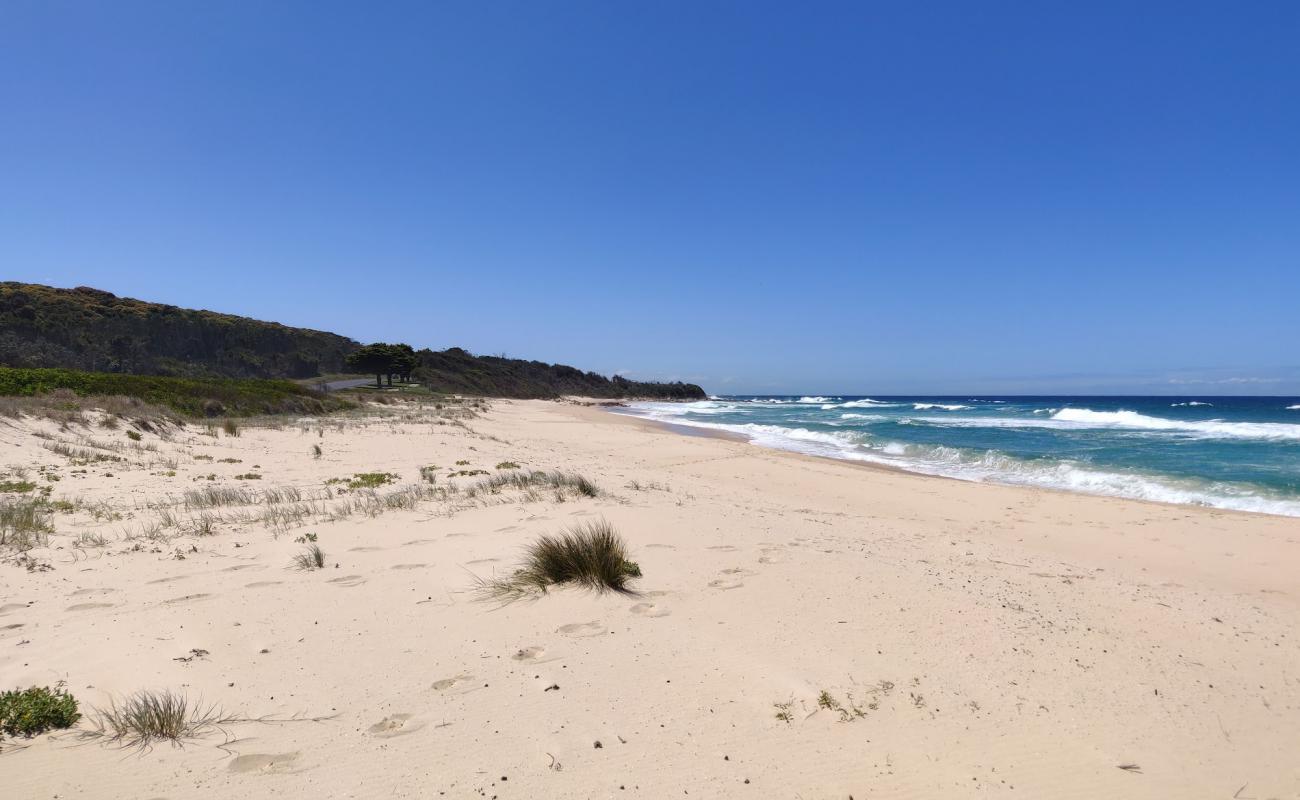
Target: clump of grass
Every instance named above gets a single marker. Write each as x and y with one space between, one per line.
33 711
24 523
311 558
149 716
134 436
248 476
591 555
429 474
316 452
17 487
537 479
507 465
230 428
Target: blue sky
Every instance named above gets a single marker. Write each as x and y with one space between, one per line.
832 197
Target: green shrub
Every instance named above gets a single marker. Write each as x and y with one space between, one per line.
372 480
133 435
28 712
17 486
507 465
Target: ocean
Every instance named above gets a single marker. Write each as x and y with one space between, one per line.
1239 453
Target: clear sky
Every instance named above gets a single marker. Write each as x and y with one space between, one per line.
861 197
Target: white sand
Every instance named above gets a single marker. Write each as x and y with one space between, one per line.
996 641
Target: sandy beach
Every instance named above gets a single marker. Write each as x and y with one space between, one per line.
804 628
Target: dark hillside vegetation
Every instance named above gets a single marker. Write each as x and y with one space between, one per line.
98 332
459 371
191 397
89 329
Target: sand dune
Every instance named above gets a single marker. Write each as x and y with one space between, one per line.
803 628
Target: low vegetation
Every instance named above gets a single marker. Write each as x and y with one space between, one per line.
590 555
24 523
560 482
189 397
33 711
311 558
151 716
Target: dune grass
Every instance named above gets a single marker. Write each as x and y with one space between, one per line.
24 523
151 716
590 555
536 479
311 558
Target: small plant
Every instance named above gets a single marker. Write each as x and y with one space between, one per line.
591 555
507 465
372 480
305 538
248 476
29 712
783 711
429 474
149 716
316 452
24 523
230 428
134 436
311 558
462 463
17 487
229 460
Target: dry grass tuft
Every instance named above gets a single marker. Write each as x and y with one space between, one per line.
591 555
311 558
151 716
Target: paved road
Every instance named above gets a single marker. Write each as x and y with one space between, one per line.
334 386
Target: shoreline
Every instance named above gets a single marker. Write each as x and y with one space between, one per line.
709 432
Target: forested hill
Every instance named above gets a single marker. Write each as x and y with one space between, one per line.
93 330
89 329
456 370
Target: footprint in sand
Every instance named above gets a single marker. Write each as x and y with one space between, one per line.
662 546
593 628
726 548
481 561
261 584
447 683
239 567
172 579
580 513
265 763
347 580
88 606
396 725
365 548
81 592
507 529
12 626
529 653
189 598
409 566
736 571
649 610
8 607
724 584
456 534
415 542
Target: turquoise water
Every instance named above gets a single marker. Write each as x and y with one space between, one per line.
1227 452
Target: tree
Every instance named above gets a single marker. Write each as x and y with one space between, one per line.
404 360
375 359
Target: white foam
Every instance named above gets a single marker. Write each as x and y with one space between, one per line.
869 417
997 467
866 402
1294 407
938 407
1190 403
1211 429
816 400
